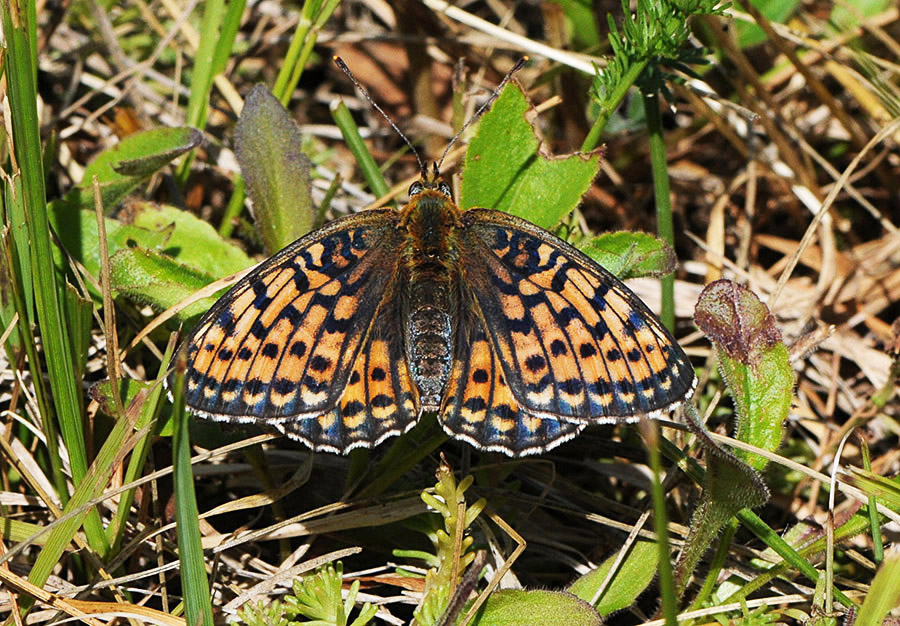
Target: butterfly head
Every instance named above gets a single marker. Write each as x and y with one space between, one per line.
432 181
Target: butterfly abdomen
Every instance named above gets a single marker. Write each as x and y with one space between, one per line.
429 263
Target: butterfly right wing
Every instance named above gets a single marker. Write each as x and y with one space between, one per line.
480 408
284 346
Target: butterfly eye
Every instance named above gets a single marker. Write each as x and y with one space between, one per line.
444 188
416 188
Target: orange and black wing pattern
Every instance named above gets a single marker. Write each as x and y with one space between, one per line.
301 343
572 341
481 409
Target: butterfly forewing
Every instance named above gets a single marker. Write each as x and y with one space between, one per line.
284 342
573 341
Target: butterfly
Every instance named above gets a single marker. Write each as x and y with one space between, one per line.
512 336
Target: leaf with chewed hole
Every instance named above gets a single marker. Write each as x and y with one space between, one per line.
507 170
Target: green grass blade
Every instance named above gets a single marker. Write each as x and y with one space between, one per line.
312 18
344 120
650 432
230 25
118 443
56 339
194 584
205 62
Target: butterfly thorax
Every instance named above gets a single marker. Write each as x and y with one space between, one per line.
429 263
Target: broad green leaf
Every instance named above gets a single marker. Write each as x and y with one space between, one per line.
153 278
77 231
730 486
513 607
123 167
507 170
191 240
187 240
635 574
753 360
267 144
846 19
631 255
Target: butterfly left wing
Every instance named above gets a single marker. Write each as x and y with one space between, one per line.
378 401
573 341
292 344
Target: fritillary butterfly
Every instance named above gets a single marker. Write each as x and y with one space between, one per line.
515 338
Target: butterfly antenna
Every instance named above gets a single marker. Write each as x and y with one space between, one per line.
484 107
346 70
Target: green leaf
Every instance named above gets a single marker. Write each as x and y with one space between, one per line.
507 170
846 19
267 144
191 240
883 595
631 255
129 388
79 319
581 22
77 231
635 574
194 583
153 278
16 530
513 607
179 240
13 199
885 490
778 11
7 297
753 360
123 167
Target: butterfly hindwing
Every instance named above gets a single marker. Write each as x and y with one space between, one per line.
378 401
284 342
573 341
480 408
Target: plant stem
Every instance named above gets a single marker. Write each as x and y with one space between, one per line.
650 431
663 204
609 104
